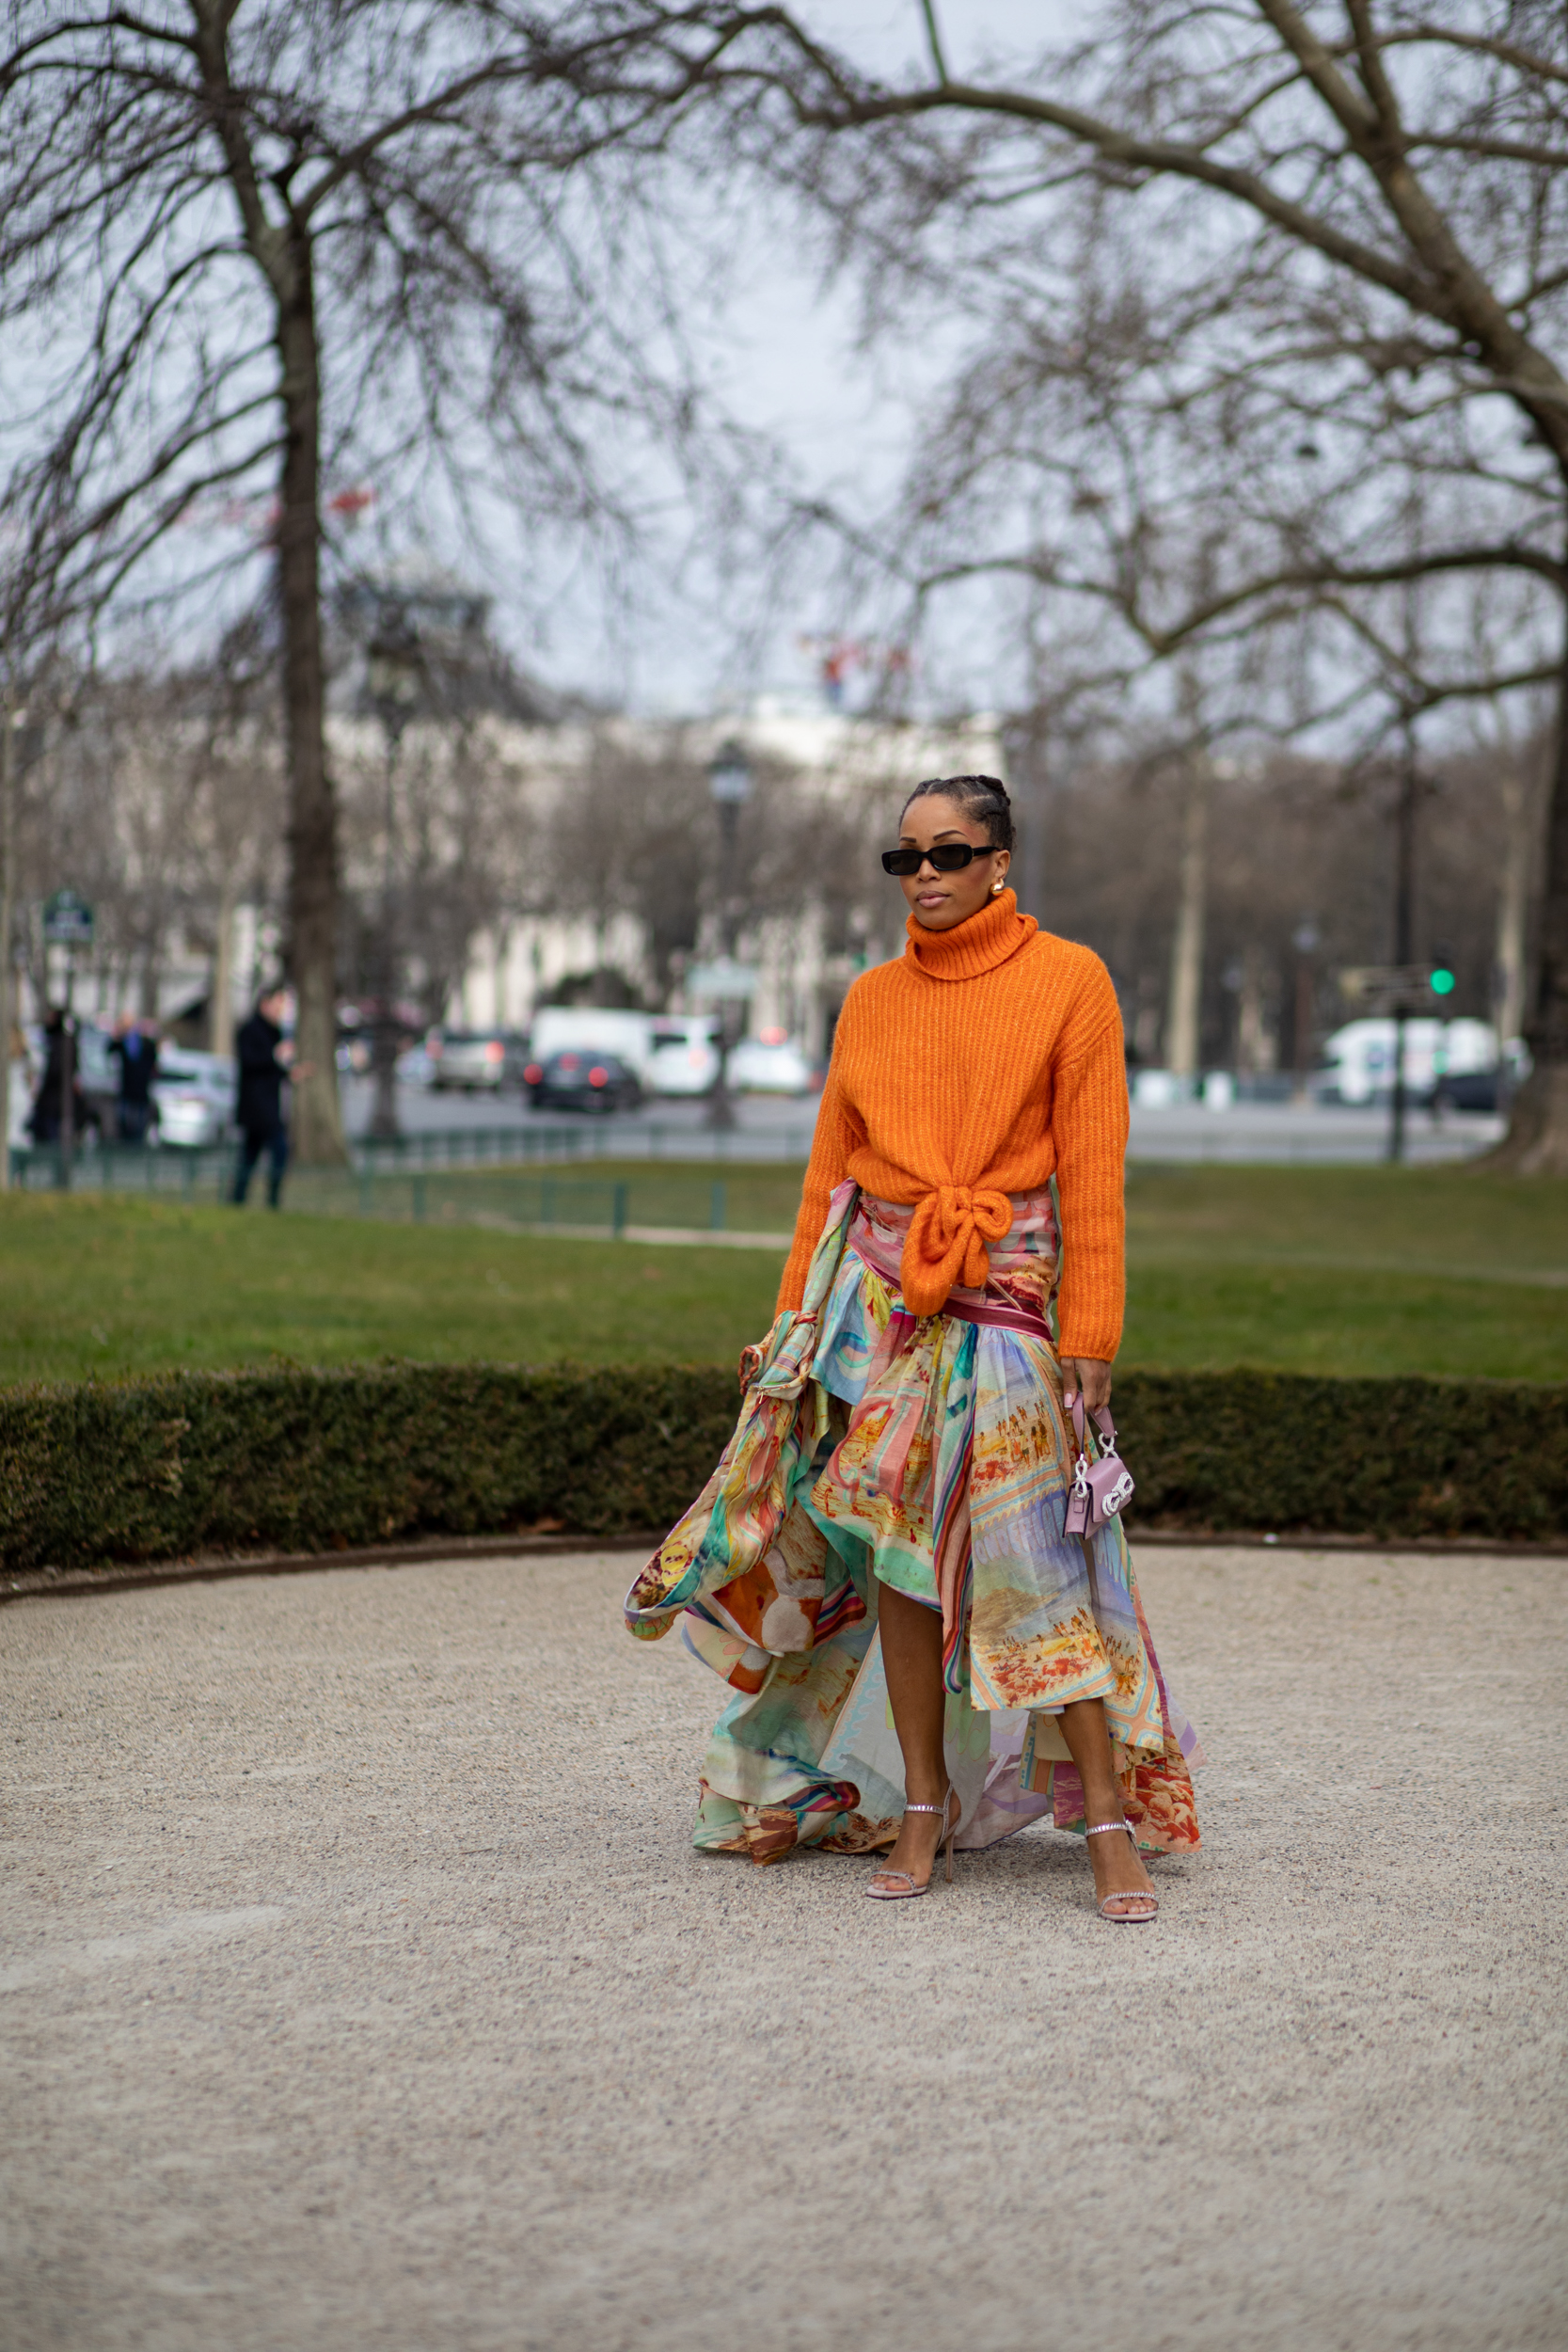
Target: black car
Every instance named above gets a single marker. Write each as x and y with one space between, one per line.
581 1079
1470 1090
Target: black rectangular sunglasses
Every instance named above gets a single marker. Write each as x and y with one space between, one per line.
948 857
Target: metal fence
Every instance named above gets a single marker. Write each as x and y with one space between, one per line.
124 1167
508 1198
518 1204
171 1168
576 1141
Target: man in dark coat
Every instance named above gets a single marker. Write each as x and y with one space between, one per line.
260 1109
137 1056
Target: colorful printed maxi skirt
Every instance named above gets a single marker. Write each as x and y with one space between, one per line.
927 1452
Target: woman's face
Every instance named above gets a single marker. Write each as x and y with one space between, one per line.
941 901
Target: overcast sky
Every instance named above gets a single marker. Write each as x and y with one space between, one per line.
780 359
785 364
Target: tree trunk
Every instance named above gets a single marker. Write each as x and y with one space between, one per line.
311 950
1508 1008
1252 1036
1536 1143
8 962
1186 955
220 1018
1029 876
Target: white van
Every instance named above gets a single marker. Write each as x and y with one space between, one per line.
684 1054
1360 1058
565 1029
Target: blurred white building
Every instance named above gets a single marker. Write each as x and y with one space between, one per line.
487 797
853 766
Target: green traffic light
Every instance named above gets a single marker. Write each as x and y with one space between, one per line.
1442 981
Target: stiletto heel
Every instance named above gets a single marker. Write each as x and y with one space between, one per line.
908 1890
1128 1894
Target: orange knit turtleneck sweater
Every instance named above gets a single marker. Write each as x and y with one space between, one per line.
982 1062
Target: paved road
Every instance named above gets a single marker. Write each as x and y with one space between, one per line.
670 1127
362 1990
775 1128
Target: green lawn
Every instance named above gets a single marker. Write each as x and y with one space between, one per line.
111 1286
1338 1270
1347 1270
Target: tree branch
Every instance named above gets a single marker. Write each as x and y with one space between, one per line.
934 38
267 242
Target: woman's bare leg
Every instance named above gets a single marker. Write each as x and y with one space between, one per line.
1118 1869
911 1659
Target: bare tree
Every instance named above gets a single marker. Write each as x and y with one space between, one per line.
1356 218
239 809
274 243
439 829
157 789
1293 841
632 834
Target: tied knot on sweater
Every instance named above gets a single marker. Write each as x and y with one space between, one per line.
946 1243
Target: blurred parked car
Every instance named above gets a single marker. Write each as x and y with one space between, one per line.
592 1029
100 1078
476 1060
417 1067
1360 1059
682 1057
194 1097
1487 1090
582 1080
768 1064
98 1075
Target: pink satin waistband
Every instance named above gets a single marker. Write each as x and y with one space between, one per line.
877 1235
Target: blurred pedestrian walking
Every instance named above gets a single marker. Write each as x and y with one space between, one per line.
134 1046
265 1061
44 1122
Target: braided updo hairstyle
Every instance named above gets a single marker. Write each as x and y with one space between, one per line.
982 798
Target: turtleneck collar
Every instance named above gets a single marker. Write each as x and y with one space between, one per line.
976 945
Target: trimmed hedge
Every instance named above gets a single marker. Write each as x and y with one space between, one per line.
307 1461
1287 1452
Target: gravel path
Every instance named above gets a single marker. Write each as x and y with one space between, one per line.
363 1989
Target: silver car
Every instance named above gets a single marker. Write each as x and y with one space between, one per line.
476 1060
194 1097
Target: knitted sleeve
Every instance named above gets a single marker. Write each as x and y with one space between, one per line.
1088 1121
838 1133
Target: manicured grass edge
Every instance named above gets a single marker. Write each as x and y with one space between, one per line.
310 1461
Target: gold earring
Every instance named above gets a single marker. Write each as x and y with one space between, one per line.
996 888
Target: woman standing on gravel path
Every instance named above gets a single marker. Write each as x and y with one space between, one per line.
885 1531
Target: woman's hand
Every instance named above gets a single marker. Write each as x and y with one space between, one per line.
1088 1374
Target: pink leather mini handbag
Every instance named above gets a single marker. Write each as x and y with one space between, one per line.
1101 1490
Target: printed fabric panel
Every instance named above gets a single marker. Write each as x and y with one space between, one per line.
931 1453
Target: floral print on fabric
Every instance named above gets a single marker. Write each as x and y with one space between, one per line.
751 1598
930 1453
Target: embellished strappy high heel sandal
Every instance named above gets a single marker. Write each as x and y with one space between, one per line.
910 1890
1128 1894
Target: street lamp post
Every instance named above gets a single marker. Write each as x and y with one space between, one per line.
1404 920
729 779
392 675
1305 941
